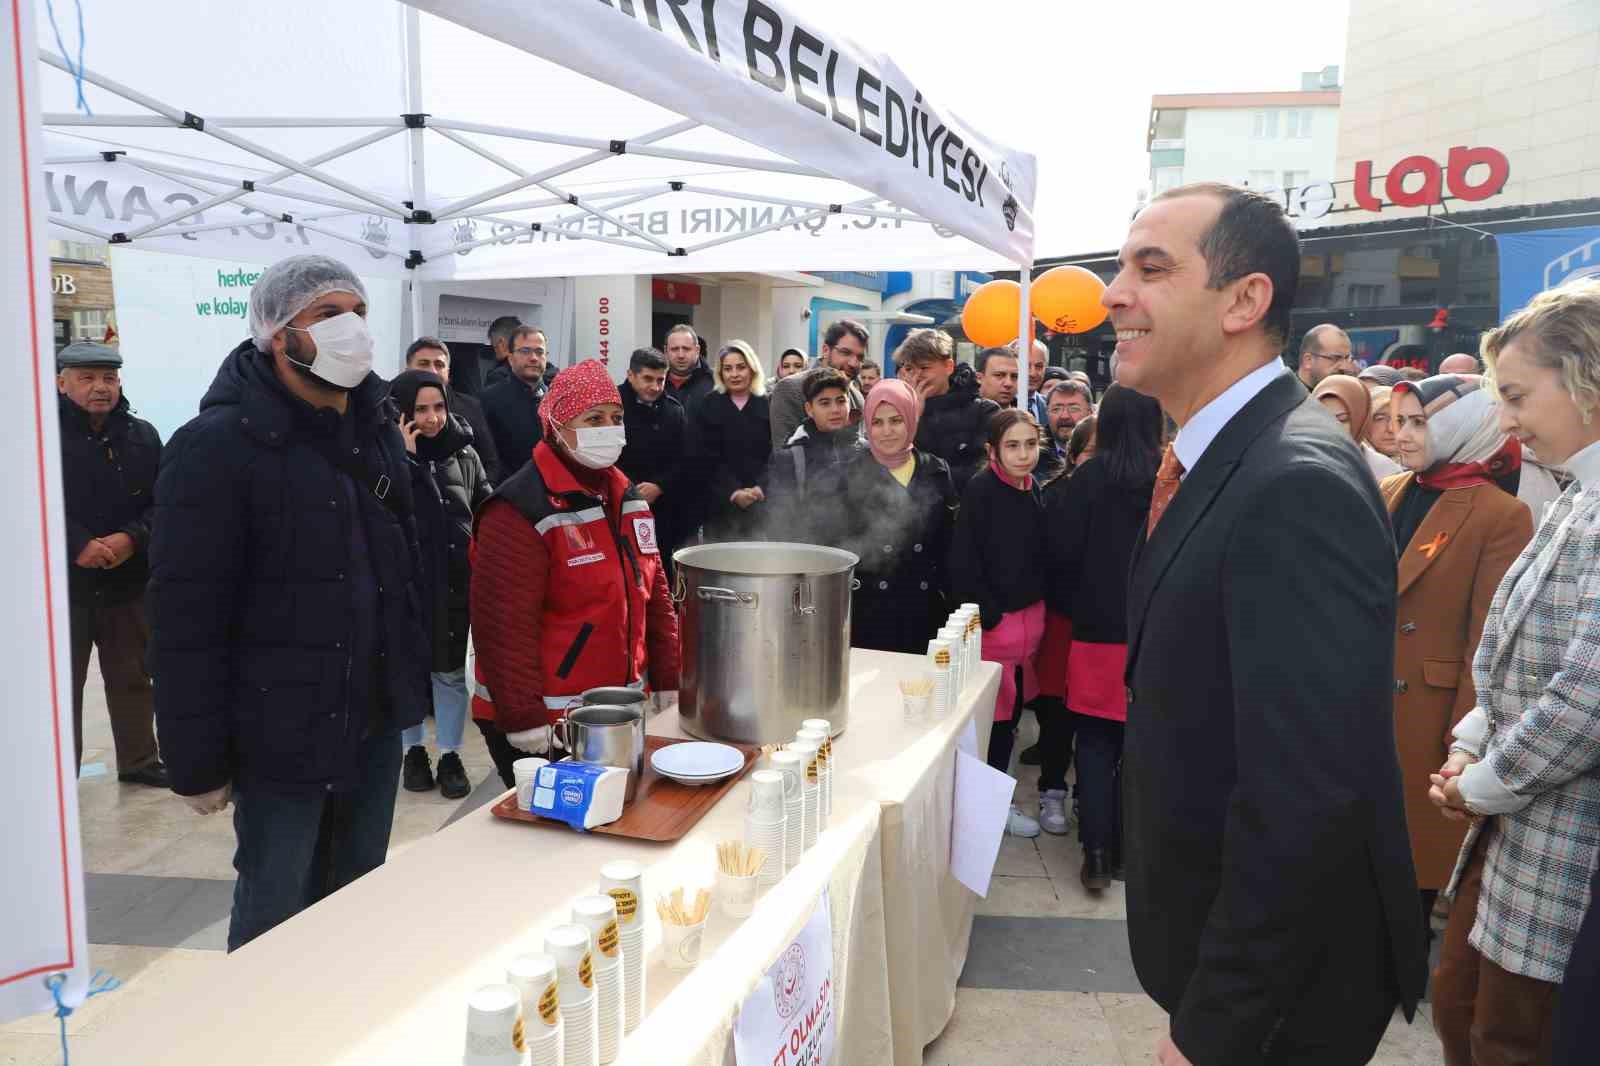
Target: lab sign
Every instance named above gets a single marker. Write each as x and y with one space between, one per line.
1470 174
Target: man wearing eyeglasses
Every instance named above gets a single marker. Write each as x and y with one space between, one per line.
512 404
1325 350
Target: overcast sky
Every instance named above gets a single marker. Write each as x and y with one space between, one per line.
1071 81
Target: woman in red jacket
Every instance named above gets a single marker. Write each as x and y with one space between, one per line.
568 590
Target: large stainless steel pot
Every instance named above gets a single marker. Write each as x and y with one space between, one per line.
766 638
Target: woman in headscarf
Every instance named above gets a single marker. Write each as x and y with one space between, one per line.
731 441
447 485
1347 400
568 592
1457 531
893 506
1380 422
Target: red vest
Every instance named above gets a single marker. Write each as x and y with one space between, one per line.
602 568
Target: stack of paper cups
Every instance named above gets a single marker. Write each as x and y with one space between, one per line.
493 1027
580 1017
598 914
535 978
975 628
939 655
811 790
764 824
793 770
826 728
819 737
623 881
958 660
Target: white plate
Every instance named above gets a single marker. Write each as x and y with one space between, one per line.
697 759
696 782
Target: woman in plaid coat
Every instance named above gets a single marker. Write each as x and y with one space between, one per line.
1525 763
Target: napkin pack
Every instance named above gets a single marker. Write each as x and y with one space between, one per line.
579 794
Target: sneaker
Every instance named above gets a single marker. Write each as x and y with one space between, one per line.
1030 756
417 775
1053 811
453 783
1020 825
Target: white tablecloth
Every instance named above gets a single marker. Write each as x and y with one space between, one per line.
380 972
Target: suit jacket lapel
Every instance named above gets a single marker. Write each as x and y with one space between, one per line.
1443 519
1153 555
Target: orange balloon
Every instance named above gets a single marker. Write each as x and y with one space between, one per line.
1067 299
993 312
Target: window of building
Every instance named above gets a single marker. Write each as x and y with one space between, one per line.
82 251
1262 179
1364 295
1170 125
1294 179
1297 124
1266 125
1164 178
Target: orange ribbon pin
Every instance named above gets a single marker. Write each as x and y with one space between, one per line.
1432 547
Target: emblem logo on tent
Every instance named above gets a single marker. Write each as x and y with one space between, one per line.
462 232
1581 262
375 230
1009 209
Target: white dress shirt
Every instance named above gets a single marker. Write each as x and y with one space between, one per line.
1197 434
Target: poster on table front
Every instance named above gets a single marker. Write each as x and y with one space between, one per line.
790 1020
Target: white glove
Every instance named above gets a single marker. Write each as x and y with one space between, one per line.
211 802
533 741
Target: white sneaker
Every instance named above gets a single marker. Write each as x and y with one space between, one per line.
1020 825
1053 812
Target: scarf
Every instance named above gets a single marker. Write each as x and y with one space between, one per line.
1466 445
1353 396
449 440
1025 485
895 394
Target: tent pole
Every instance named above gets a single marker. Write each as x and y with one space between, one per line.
1024 339
419 174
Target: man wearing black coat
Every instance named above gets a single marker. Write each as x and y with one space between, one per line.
431 355
511 405
1272 901
289 633
689 379
955 419
108 470
656 456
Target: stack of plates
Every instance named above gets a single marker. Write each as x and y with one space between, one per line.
697 762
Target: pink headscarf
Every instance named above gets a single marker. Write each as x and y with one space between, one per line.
574 391
904 399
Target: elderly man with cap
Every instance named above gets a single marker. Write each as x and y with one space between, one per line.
290 645
108 470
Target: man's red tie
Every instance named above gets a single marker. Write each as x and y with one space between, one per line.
1167 481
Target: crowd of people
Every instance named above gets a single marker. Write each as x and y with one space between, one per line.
1316 646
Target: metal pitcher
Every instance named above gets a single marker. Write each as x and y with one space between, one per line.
765 638
606 736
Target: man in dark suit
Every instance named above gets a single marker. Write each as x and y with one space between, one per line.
430 354
656 456
512 404
1272 904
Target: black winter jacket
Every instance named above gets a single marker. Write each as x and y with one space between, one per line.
1093 525
512 410
998 555
109 478
955 426
731 447
902 536
254 586
700 385
470 410
795 500
657 454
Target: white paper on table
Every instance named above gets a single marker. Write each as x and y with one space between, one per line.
982 803
789 1019
968 740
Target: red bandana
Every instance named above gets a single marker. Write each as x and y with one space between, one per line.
1507 460
574 391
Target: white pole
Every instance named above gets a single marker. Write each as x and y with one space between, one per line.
419 174
1024 339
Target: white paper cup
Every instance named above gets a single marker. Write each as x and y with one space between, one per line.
766 795
598 914
680 945
580 1033
623 881
917 707
549 1049
570 946
773 836
736 896
824 744
492 1013
534 976
818 723
522 772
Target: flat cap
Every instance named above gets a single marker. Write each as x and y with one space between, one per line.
87 354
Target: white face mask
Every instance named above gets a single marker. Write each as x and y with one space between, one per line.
599 446
344 350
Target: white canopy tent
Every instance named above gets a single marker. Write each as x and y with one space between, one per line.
571 137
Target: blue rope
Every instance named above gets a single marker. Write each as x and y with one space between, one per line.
102 982
76 69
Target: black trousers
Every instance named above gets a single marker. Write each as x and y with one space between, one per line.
1056 728
1099 781
1577 1023
120 633
1004 734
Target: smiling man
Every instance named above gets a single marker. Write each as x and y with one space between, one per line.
1272 902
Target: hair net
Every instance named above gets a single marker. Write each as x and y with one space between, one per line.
289 286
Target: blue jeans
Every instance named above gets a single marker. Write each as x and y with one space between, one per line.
449 713
296 847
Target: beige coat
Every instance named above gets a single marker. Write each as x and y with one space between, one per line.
1476 534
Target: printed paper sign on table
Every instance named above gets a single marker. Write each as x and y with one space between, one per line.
788 1020
982 803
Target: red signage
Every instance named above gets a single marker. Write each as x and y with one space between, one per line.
1434 179
675 292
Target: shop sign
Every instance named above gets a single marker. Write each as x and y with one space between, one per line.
63 285
675 292
1314 201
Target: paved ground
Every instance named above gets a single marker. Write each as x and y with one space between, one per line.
1048 979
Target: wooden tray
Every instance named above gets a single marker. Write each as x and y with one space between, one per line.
662 809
